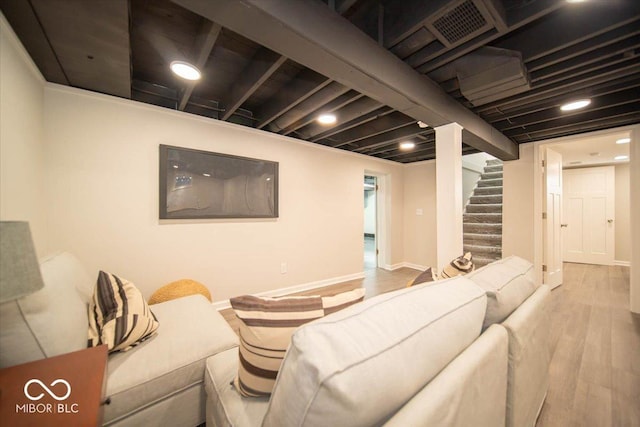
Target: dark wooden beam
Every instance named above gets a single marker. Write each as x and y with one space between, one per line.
570 26
353 110
360 120
578 119
382 124
309 105
394 136
312 35
205 41
262 66
549 115
331 107
304 85
430 60
561 88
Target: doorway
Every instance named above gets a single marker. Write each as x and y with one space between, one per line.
370 222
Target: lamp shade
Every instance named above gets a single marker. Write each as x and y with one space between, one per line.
19 267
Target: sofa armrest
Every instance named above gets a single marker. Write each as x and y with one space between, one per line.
529 357
470 391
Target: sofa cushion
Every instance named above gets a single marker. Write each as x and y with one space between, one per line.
459 266
118 314
363 363
508 282
266 325
51 321
171 361
227 407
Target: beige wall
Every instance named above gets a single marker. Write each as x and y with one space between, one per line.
518 205
102 156
22 162
420 230
623 219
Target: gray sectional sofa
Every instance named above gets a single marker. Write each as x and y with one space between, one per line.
465 351
157 383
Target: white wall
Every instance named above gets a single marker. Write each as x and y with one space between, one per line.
102 164
22 162
420 229
518 205
623 218
472 166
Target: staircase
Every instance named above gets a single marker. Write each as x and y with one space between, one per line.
482 222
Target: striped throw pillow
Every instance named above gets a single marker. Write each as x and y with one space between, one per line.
459 266
118 314
266 326
425 277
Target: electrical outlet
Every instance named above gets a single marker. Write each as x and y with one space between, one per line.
283 268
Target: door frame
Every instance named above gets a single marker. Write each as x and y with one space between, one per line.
383 219
538 192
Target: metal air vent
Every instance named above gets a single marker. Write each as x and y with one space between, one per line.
460 22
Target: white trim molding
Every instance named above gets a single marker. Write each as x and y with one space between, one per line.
622 263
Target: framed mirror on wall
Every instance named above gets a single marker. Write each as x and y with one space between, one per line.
197 184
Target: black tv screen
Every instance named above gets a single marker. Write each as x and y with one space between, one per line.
197 184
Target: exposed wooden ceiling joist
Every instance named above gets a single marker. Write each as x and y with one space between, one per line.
353 110
205 40
313 35
330 107
262 66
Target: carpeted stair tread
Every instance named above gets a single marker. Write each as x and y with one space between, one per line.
490 182
493 218
495 168
486 199
480 191
482 249
491 175
482 228
484 208
482 238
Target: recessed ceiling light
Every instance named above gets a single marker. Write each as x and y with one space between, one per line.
327 119
620 157
422 124
575 105
623 141
206 174
175 166
408 145
575 1
185 70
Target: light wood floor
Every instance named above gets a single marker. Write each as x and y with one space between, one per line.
595 344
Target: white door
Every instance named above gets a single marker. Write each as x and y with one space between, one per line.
589 204
552 208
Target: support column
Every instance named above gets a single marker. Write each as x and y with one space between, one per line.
448 193
634 198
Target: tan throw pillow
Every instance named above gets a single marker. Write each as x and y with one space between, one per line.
459 266
426 276
266 326
118 314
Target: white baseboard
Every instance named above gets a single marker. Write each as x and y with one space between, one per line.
402 265
224 304
415 266
622 263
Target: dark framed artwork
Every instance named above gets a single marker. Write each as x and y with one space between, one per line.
197 184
